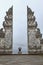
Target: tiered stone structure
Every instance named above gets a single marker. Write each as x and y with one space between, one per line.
34 36
6 36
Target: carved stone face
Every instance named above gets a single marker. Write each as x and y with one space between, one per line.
33 41
32 37
8 39
2 42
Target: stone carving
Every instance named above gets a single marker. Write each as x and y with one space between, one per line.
33 33
35 41
6 36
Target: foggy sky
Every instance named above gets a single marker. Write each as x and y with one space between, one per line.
20 19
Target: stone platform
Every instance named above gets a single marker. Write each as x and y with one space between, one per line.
21 59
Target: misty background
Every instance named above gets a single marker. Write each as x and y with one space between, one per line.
20 19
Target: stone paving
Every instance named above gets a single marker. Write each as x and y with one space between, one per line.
21 59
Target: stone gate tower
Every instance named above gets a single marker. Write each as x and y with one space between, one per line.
34 36
8 26
7 38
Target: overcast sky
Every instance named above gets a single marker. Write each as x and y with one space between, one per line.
20 19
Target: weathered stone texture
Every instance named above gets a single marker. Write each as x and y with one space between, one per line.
33 33
6 37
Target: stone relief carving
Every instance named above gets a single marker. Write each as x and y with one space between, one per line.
8 39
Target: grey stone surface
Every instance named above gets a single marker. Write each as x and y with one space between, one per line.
6 36
33 34
21 60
